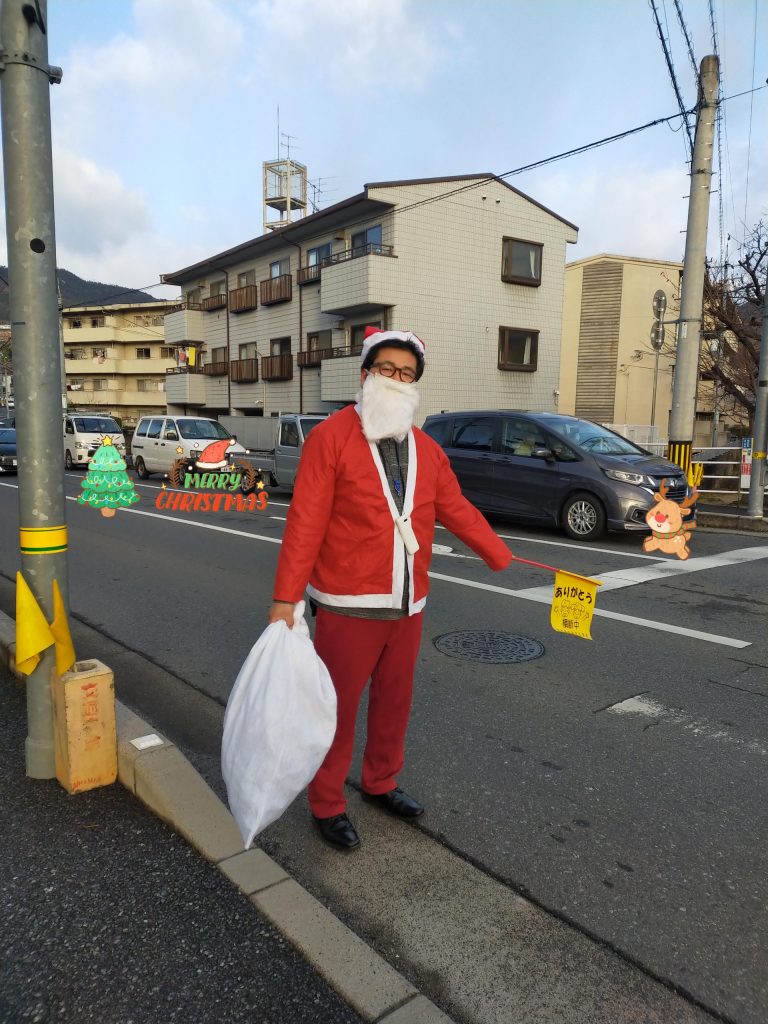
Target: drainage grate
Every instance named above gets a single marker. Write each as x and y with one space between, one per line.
492 647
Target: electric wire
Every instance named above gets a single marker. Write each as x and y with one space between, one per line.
751 107
688 43
718 129
672 75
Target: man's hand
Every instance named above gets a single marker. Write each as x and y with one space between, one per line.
281 610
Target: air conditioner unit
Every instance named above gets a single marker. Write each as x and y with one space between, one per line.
341 325
341 235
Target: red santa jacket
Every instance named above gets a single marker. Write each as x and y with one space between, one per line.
341 543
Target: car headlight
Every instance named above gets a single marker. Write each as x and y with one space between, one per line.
624 477
79 444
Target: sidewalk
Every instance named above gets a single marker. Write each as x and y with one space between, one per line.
110 917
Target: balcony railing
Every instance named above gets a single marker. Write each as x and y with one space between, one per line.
277 367
306 275
244 371
315 356
215 369
372 248
276 289
214 302
242 299
184 369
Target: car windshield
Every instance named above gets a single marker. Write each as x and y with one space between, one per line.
96 425
307 425
202 430
591 437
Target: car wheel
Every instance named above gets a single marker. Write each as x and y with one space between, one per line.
68 463
584 517
141 470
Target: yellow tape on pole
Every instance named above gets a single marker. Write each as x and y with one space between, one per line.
42 540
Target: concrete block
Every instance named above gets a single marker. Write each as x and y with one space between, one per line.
353 969
168 784
252 870
417 1011
85 740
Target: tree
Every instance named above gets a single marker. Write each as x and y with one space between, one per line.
107 485
734 296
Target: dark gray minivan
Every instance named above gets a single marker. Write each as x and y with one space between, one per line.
554 469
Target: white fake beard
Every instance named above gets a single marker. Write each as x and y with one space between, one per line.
387 407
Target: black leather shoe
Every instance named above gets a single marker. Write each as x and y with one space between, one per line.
338 831
396 802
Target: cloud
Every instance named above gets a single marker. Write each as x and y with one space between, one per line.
355 45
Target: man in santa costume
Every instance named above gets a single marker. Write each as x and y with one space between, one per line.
358 539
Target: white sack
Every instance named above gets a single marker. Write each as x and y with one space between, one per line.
278 726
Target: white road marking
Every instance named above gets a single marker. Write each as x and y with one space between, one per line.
648 707
543 595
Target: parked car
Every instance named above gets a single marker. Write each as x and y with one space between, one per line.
84 433
554 469
275 443
160 440
8 457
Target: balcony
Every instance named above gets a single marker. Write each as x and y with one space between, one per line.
184 386
315 356
306 275
244 371
359 281
214 302
277 367
184 326
218 369
276 289
243 299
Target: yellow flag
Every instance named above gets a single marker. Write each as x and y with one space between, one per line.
65 650
33 634
573 603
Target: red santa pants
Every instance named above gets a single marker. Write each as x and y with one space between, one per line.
354 651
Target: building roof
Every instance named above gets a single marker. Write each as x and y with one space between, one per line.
623 259
359 206
115 307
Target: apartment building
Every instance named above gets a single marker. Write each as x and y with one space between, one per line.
116 357
609 369
470 264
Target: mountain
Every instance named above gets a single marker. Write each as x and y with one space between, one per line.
77 292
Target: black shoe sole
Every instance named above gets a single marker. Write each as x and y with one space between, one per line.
375 799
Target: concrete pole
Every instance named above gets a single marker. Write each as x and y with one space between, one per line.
681 421
760 430
26 132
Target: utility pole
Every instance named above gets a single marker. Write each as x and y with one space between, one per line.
689 325
760 430
25 77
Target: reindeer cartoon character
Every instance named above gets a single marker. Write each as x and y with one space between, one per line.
669 533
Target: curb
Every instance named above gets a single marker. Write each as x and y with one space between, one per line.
732 522
159 775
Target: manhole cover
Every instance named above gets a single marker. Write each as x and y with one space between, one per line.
492 647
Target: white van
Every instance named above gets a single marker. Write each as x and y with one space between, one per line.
160 440
84 433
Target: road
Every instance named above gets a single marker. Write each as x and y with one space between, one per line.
619 784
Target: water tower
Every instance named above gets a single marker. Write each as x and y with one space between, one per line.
285 192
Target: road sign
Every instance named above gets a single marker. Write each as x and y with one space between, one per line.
659 304
746 462
657 334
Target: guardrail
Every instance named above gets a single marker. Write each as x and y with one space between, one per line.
714 460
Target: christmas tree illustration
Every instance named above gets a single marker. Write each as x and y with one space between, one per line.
107 485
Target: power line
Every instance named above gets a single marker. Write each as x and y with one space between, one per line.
672 75
751 105
718 125
689 44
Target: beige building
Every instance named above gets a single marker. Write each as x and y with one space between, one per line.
116 358
470 264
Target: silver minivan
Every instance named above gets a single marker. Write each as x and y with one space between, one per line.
160 440
84 433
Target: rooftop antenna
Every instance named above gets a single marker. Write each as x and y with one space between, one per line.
285 185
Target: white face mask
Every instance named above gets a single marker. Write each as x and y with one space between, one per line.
387 407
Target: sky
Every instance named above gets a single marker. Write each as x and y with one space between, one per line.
167 109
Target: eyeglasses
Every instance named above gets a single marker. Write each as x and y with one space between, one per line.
403 373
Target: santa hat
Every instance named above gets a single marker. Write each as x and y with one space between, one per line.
373 337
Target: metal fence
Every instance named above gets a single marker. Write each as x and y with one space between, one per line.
722 469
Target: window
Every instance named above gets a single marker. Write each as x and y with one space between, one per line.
167 352
217 287
169 431
316 256
97 321
155 428
143 353
219 355
520 437
440 430
358 333
248 351
247 278
289 435
100 384
280 267
192 297
146 385
319 340
518 349
75 353
98 353
473 433
75 324
70 427
280 346
158 321
141 430
76 384
368 240
521 262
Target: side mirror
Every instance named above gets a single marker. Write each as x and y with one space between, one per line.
539 452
